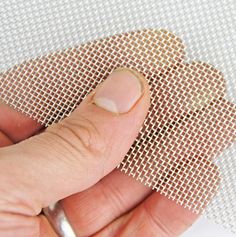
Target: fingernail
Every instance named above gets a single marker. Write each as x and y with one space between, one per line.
120 91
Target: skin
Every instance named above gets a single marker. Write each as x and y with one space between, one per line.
76 167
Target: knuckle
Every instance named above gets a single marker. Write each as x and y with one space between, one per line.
80 135
156 224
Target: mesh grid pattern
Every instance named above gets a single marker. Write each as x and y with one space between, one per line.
185 100
192 118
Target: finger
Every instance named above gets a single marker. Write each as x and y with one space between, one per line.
15 125
217 121
45 228
157 216
184 90
160 216
12 225
102 203
73 155
206 133
91 207
4 140
94 208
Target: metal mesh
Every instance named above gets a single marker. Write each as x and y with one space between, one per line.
192 117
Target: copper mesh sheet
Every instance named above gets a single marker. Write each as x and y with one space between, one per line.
189 123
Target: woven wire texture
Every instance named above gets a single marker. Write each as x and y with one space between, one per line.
186 147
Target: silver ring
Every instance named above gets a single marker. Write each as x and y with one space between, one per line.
57 218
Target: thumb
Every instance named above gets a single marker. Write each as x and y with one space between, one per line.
74 154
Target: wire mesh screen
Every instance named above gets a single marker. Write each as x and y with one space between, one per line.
55 52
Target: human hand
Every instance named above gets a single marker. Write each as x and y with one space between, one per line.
74 161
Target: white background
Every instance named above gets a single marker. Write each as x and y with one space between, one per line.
205 228
29 28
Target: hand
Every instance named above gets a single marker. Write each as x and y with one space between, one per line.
74 161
